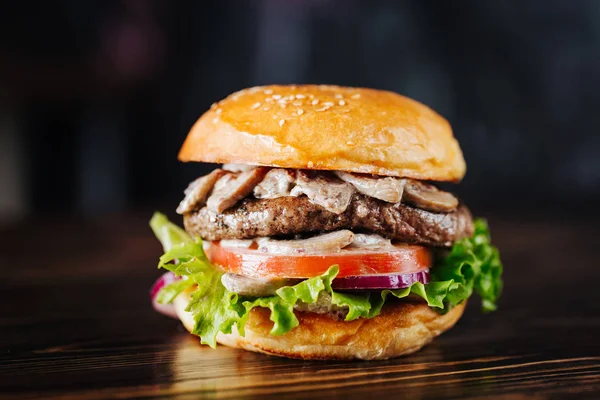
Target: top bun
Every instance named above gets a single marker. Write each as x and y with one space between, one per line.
327 128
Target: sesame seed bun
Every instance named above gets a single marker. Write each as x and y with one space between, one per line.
327 128
401 328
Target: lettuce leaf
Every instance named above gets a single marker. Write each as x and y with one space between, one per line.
167 232
472 264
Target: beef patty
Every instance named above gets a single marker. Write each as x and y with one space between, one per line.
253 218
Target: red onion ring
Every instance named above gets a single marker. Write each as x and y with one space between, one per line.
166 309
381 282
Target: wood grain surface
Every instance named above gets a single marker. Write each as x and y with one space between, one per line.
76 323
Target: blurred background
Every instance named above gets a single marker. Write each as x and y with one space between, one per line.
96 97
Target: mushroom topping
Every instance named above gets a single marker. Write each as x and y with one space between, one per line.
247 286
387 189
327 243
277 183
224 181
238 167
228 193
332 194
428 197
197 191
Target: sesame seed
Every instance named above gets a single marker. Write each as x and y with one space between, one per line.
276 96
266 108
269 100
281 122
297 103
355 96
315 102
323 108
215 120
268 91
310 164
255 106
300 111
213 106
338 96
328 104
300 96
349 143
342 103
282 105
219 111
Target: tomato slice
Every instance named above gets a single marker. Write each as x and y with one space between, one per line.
401 259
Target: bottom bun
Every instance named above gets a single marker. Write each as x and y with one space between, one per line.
401 328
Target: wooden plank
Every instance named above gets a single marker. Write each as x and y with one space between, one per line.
76 323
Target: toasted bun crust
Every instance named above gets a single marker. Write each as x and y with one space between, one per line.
401 328
327 128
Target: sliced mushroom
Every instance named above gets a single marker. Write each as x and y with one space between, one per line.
197 191
330 193
225 180
246 286
278 182
238 167
364 240
227 194
428 197
327 243
387 189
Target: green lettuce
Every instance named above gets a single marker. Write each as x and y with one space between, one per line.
472 264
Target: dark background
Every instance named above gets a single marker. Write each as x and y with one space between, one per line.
97 96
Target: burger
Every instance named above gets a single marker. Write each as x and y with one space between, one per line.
323 234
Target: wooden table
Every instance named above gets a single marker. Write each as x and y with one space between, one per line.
76 322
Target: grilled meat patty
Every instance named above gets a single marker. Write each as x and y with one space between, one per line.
285 216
